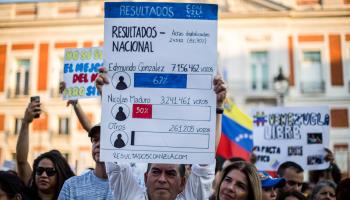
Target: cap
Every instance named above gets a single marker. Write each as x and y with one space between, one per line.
94 129
267 181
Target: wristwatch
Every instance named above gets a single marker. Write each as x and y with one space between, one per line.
219 110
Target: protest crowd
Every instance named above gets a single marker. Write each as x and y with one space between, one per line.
51 177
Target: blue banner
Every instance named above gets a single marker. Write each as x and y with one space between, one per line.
158 80
161 10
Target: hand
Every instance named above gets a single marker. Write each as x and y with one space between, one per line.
62 86
32 110
220 90
101 79
252 157
72 102
329 156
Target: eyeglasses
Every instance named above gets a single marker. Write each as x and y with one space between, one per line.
49 171
292 183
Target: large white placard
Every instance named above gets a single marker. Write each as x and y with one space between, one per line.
80 71
297 134
161 60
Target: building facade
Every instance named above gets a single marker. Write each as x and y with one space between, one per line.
308 39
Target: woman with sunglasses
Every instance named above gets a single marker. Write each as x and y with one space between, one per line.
50 169
239 181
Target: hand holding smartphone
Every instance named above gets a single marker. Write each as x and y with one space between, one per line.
36 99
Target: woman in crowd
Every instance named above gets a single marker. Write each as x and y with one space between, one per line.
239 181
270 185
324 190
50 169
11 187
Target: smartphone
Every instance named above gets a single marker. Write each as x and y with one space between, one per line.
36 99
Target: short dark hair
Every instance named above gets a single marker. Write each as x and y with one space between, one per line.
182 169
12 185
95 129
289 164
235 159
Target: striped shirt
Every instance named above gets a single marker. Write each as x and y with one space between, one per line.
85 187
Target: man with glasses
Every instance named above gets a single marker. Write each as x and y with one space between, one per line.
294 175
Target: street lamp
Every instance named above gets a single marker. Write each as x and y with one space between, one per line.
281 86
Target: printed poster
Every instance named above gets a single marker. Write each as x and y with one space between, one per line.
297 134
160 105
80 71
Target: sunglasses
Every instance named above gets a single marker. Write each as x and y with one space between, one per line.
49 171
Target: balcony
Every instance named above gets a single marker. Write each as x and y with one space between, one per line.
312 87
16 94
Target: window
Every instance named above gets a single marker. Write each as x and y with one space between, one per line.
57 71
63 126
13 156
18 124
259 70
311 74
22 77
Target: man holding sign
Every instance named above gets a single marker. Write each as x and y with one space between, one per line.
165 181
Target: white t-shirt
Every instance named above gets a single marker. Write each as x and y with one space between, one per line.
124 186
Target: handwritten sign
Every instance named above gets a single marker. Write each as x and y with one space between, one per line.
80 71
160 105
297 134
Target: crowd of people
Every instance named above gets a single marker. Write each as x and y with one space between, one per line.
51 177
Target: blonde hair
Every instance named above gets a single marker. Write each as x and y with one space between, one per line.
249 170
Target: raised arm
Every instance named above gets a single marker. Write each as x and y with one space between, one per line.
82 117
22 148
220 90
122 182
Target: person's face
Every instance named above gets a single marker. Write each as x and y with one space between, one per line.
326 193
294 180
46 175
163 182
269 193
95 140
234 186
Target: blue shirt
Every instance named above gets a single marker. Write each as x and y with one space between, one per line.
85 187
